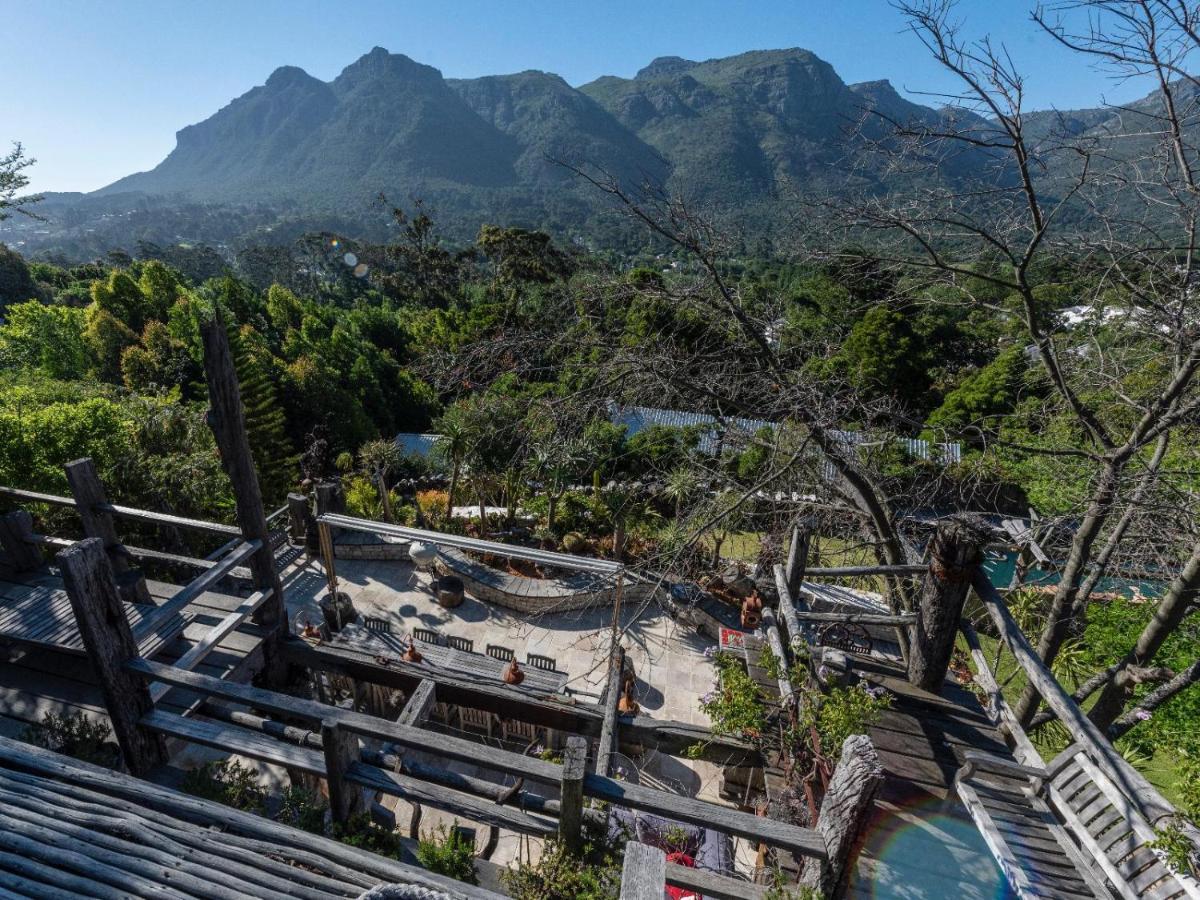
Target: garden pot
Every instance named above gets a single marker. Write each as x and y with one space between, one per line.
338 611
449 591
513 673
752 611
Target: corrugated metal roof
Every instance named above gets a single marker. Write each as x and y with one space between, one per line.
415 444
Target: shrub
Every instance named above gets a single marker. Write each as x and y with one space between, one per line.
74 735
449 853
361 831
227 782
303 809
560 875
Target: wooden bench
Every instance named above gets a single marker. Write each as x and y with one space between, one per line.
1065 830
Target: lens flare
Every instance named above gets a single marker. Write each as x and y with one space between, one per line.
361 270
350 260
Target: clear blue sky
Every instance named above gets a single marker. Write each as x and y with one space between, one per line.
96 90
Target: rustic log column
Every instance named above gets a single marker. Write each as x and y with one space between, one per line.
844 812
797 560
570 814
955 551
19 542
100 615
644 874
226 418
298 516
607 744
88 492
341 752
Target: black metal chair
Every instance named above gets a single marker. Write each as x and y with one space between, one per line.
460 643
504 654
427 636
374 623
538 661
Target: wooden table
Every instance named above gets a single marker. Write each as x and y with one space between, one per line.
476 665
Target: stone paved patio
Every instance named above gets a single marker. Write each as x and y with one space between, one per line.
672 670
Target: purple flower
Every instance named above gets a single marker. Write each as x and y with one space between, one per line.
1141 715
709 697
874 691
710 652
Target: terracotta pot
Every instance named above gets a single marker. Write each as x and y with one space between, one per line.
627 706
412 655
513 673
752 611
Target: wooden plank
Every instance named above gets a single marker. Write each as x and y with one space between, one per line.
341 751
218 633
713 885
804 841
644 872
607 744
420 702
196 587
476 809
232 739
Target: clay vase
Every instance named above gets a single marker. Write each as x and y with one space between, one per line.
752 611
412 655
513 673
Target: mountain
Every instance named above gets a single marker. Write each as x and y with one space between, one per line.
740 135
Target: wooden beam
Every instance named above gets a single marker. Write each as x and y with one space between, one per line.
100 615
88 491
644 873
955 551
1145 798
420 702
226 417
855 618
863 571
20 545
790 605
776 645
845 809
797 559
804 841
570 811
1000 711
341 752
548 711
200 651
298 516
708 884
606 746
193 589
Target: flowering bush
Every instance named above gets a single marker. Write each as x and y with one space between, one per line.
735 704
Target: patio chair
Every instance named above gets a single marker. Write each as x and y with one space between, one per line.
460 643
546 663
476 720
374 623
504 654
427 636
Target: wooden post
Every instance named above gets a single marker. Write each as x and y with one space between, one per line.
226 418
341 752
612 696
420 702
298 516
644 875
844 812
955 551
19 542
385 499
100 615
88 491
570 813
797 560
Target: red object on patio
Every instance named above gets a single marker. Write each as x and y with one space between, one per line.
678 893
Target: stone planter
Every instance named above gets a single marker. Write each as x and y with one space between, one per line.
449 590
337 611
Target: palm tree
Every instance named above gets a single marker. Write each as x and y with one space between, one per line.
557 462
681 485
456 439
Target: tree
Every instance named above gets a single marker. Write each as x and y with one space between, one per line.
1010 222
12 181
379 459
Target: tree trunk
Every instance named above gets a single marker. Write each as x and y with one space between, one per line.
955 553
1155 699
1170 612
1058 622
551 509
453 488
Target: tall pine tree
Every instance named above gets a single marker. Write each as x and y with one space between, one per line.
274 456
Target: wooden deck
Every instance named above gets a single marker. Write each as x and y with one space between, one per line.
40 677
921 842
